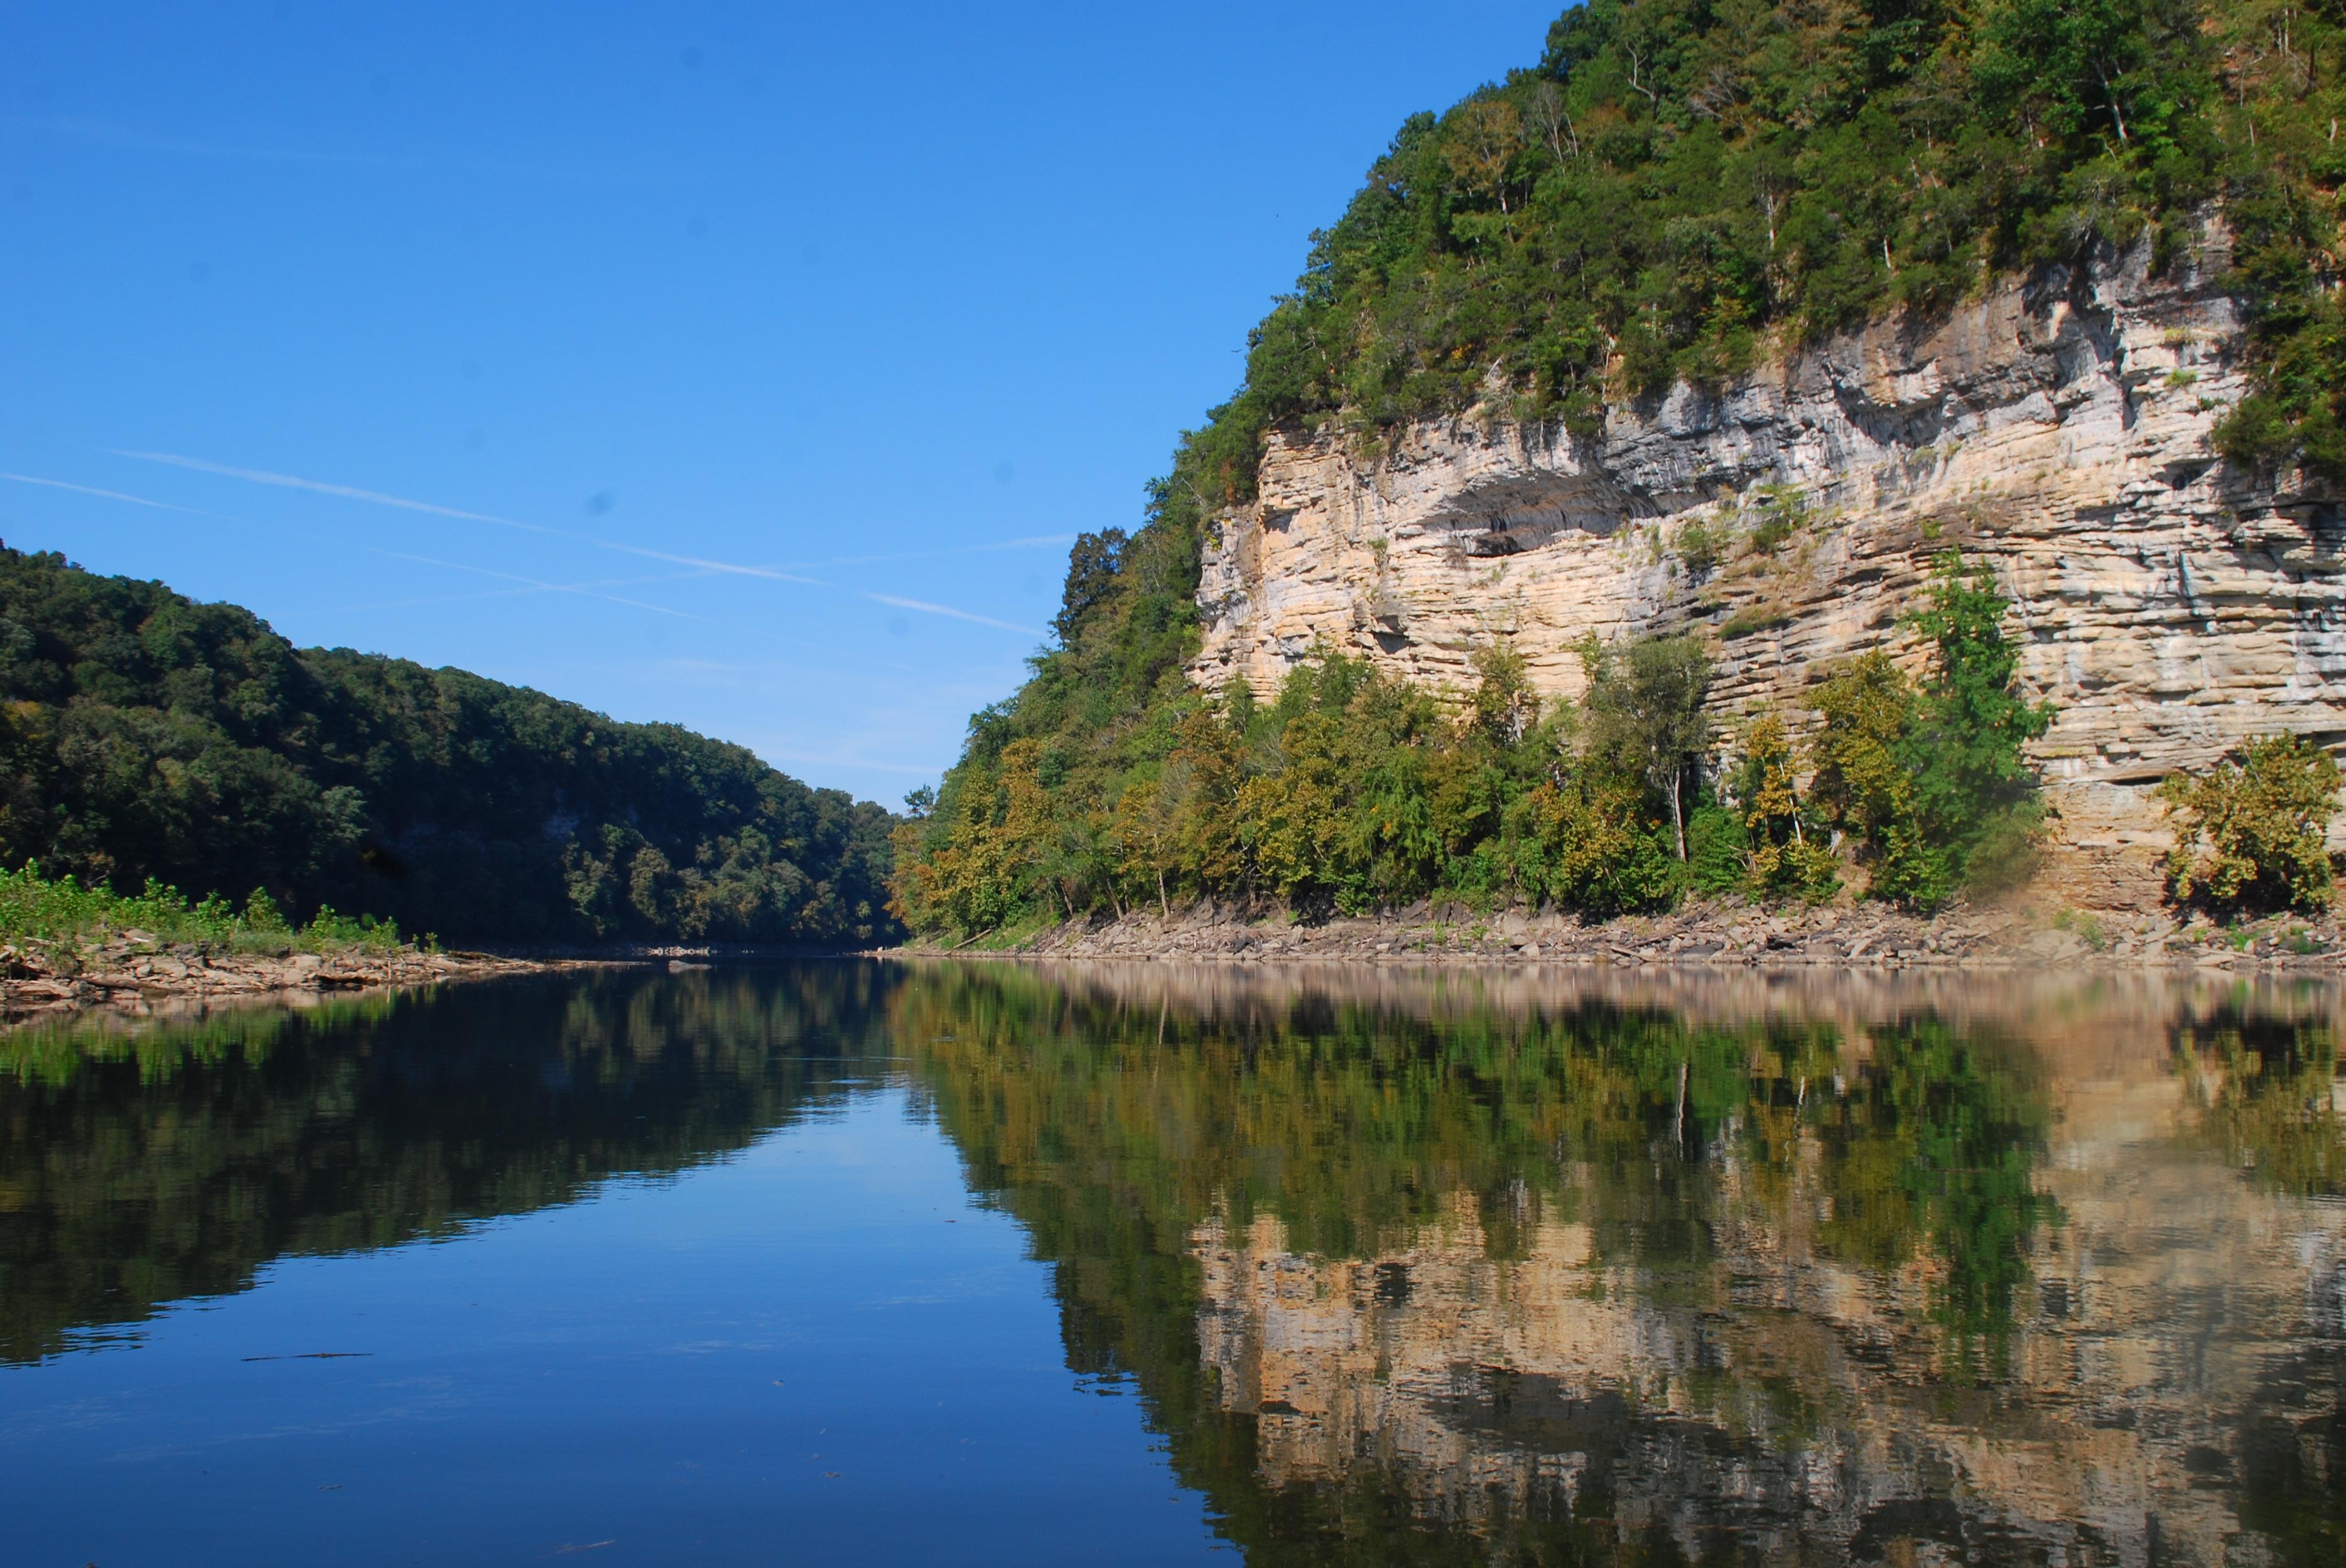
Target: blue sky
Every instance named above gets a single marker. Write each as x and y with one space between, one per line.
747 367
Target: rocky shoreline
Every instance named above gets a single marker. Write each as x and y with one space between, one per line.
129 973
1707 934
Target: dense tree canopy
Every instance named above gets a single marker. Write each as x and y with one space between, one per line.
1680 184
143 735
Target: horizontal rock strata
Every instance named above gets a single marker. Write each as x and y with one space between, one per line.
2058 430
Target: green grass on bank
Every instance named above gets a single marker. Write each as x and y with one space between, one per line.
34 910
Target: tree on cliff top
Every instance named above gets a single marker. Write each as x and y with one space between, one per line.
1679 184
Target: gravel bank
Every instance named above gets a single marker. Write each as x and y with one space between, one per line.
1711 933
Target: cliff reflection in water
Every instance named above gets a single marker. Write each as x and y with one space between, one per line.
1460 1268
1463 1271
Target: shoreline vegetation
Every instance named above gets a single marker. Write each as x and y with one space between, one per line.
150 742
65 946
1355 795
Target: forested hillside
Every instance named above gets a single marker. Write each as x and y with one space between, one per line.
1675 191
143 735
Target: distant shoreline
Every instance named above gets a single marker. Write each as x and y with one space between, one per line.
121 976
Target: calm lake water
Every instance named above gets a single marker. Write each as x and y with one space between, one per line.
957 1263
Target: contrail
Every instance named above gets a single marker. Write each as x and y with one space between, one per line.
512 592
1032 540
113 495
532 584
541 584
726 568
538 584
347 493
732 568
529 585
927 608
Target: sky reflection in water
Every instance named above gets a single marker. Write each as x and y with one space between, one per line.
986 1264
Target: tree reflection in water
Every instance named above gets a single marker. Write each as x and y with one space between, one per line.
1405 1272
141 1165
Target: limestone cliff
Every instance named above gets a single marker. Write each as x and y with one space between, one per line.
2056 427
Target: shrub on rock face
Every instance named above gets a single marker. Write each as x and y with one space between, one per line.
2249 833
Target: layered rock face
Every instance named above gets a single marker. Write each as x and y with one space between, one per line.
2169 604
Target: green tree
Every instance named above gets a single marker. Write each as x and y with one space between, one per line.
1595 847
1782 858
1147 832
1861 781
1092 578
1292 821
1932 778
1645 716
1506 707
1974 787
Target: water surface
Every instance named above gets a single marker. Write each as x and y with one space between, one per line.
990 1264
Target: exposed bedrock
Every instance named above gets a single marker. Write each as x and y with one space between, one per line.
2169 603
